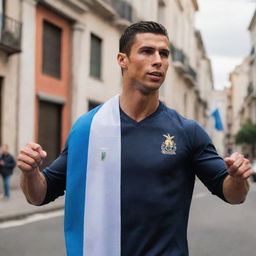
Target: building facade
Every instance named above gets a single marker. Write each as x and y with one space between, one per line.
59 61
242 95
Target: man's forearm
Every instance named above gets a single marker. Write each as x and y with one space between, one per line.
235 190
34 187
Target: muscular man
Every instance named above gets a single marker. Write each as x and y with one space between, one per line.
129 166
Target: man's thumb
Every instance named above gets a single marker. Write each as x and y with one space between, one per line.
229 161
43 153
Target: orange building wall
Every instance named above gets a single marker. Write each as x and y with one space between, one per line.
47 84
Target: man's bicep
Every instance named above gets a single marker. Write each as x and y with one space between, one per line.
211 170
55 176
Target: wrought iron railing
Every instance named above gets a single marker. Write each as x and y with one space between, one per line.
252 50
191 72
10 34
250 88
124 9
179 56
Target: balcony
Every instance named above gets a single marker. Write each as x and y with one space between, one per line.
104 8
124 10
250 89
191 75
119 11
179 58
252 50
10 35
181 64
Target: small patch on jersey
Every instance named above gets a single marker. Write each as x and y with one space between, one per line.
103 155
168 147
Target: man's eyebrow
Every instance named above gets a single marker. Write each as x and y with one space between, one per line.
146 48
165 50
153 48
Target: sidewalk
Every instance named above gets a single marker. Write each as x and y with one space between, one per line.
17 206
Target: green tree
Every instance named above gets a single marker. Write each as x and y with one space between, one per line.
247 135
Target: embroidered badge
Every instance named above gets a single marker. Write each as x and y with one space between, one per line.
168 147
103 155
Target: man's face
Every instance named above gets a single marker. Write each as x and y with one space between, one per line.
4 149
148 61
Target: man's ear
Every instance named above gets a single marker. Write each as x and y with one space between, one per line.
122 60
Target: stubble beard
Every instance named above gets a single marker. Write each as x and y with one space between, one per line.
146 90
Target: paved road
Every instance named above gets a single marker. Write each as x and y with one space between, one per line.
39 238
215 229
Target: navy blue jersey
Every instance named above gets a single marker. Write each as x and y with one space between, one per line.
160 157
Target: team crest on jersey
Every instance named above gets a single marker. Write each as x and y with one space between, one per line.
168 147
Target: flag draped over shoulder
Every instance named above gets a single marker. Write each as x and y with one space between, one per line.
217 119
92 208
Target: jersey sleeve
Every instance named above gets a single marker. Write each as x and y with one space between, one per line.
55 176
209 167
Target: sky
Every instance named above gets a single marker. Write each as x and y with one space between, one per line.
224 28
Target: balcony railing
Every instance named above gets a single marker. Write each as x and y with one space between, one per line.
181 62
250 88
10 35
191 72
178 55
123 9
252 50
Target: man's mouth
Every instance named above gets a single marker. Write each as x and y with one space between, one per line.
159 74
156 74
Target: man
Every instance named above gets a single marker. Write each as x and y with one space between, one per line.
7 164
129 166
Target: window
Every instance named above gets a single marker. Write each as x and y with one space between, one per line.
95 57
92 105
49 133
51 50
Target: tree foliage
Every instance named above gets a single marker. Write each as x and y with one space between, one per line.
247 134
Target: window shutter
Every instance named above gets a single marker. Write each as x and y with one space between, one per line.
51 50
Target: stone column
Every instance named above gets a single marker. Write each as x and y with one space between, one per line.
26 104
79 71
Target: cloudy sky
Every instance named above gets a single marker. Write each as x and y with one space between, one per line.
224 27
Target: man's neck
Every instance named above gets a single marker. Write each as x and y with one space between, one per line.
138 106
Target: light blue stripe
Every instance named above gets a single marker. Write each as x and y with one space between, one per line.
76 180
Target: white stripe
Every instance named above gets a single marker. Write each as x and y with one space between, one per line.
31 219
200 195
102 223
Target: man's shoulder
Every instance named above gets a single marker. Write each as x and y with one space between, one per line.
178 118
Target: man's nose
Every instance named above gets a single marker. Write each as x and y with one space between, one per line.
157 61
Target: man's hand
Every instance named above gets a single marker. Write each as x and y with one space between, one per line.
239 167
236 185
30 158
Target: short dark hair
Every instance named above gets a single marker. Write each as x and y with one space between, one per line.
127 39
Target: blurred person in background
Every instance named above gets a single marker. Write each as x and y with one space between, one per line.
129 165
7 164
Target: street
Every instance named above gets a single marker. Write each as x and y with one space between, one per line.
215 228
39 238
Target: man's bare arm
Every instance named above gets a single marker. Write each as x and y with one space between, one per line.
32 181
236 184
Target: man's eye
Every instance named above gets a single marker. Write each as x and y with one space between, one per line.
164 54
147 51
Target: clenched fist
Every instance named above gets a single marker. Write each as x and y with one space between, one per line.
238 166
30 158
